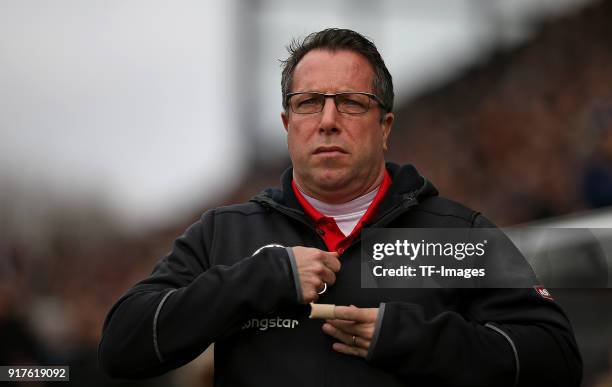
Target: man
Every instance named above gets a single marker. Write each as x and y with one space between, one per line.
243 276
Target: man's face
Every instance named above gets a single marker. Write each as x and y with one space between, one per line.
332 151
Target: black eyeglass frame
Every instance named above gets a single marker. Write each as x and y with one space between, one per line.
334 95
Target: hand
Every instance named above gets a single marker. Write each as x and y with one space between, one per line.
352 322
315 268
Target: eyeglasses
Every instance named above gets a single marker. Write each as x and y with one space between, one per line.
349 103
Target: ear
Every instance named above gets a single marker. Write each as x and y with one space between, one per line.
285 119
386 124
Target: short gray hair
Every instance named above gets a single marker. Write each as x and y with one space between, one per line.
334 39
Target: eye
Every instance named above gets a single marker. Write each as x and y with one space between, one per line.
353 103
308 101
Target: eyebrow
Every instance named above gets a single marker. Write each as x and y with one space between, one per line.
336 92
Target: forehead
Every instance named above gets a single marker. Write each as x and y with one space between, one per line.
333 71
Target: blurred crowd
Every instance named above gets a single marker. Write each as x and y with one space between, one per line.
53 300
524 135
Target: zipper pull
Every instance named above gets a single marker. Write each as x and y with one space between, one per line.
409 198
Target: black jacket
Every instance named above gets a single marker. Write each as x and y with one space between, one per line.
212 288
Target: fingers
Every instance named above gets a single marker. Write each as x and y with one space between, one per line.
322 311
349 344
328 276
320 272
318 275
312 285
350 350
353 313
316 270
352 328
332 261
328 258
346 337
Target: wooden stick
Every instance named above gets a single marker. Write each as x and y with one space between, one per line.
322 311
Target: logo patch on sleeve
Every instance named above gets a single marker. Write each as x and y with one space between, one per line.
541 290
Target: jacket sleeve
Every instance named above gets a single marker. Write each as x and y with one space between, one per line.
503 337
169 318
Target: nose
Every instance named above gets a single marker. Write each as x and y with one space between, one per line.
329 117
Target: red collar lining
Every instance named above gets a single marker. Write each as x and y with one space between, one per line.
331 234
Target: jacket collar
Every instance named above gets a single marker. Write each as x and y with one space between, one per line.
407 186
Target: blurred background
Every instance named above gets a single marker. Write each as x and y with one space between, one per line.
122 121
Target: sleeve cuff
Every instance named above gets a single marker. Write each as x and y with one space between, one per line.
296 275
515 352
379 318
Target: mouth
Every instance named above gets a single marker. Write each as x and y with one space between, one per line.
329 150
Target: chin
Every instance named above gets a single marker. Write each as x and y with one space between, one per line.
332 179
